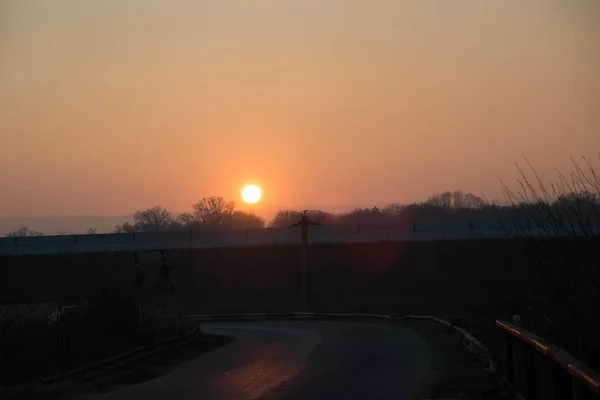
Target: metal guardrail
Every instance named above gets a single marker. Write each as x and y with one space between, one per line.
539 370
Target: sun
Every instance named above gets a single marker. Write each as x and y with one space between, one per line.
251 194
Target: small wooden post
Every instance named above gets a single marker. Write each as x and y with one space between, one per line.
138 282
167 270
518 361
544 375
508 358
530 371
517 320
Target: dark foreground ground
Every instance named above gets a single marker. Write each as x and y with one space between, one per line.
140 371
441 278
476 281
298 360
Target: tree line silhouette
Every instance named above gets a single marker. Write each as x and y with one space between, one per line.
210 212
215 212
568 209
571 202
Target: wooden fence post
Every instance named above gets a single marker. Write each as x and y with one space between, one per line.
519 379
508 354
544 377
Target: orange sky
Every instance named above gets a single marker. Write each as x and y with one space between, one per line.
110 106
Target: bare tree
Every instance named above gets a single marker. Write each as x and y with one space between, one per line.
244 220
286 218
394 209
91 231
125 228
24 231
213 211
210 211
321 217
153 219
456 201
188 220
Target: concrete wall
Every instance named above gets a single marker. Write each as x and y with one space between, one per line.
254 237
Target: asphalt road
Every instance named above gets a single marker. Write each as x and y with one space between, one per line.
296 360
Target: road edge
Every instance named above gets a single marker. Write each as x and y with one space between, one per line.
473 345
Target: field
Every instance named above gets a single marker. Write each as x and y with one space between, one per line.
463 277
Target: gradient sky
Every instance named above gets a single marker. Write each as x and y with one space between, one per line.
111 106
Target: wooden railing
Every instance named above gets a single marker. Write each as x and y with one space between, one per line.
538 370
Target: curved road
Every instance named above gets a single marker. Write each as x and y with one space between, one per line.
296 360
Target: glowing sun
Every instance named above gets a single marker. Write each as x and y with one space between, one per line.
251 194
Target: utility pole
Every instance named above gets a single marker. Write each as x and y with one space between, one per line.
138 280
303 224
167 273
166 279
